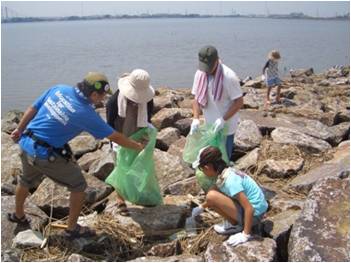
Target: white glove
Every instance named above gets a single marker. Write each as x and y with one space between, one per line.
197 211
194 126
237 239
219 124
149 125
263 77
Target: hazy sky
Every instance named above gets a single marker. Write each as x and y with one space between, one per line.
68 8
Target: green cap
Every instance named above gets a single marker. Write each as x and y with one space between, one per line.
208 56
98 81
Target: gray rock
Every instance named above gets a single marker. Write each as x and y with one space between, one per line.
183 126
249 161
170 169
258 249
339 132
28 238
281 168
89 158
11 165
185 104
82 144
322 232
164 250
143 220
186 186
301 72
166 137
8 229
290 136
179 258
10 121
340 163
161 102
78 258
253 101
104 164
278 227
247 136
11 255
255 83
166 117
177 147
43 195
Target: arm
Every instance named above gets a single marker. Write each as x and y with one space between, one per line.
248 211
196 109
112 110
265 66
122 140
150 110
27 117
234 108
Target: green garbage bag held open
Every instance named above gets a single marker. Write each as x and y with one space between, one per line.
205 136
134 176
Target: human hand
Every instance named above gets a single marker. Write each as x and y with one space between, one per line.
197 211
219 124
149 125
16 134
237 239
194 126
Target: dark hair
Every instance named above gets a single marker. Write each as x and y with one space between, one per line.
87 89
212 155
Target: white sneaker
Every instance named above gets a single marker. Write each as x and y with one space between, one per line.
226 228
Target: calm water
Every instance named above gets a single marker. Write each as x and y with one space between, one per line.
38 55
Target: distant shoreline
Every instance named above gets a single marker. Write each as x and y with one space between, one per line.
295 16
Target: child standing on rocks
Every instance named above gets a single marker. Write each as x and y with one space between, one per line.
236 197
271 75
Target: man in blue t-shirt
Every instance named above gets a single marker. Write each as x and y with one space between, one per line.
56 117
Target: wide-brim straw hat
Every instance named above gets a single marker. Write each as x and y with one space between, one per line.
274 54
136 86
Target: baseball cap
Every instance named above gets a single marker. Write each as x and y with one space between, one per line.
208 56
98 81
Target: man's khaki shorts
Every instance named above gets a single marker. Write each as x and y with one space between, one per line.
61 171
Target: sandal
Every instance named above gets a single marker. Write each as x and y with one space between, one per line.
79 231
13 218
122 209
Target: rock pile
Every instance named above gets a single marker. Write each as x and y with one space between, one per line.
298 151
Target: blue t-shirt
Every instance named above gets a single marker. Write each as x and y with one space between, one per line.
235 182
63 113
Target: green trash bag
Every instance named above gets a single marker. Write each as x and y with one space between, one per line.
205 136
134 176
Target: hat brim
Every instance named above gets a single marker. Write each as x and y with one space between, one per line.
142 95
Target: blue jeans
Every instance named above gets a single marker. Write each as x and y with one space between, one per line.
273 82
229 145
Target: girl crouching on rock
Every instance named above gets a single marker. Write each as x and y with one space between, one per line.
235 196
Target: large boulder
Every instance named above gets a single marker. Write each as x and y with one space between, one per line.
247 136
339 133
301 72
50 192
104 163
281 168
11 165
248 161
322 232
166 117
258 249
334 167
9 230
170 169
161 102
177 147
159 221
290 136
183 126
166 137
183 187
10 121
178 258
82 144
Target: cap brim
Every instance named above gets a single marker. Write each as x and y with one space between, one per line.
204 67
196 164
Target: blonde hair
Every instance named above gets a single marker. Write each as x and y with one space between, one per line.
274 54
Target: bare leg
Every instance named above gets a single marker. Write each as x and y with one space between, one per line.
267 102
21 195
76 201
223 205
277 98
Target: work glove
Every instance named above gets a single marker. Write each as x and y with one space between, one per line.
237 239
219 124
263 77
197 211
194 126
149 125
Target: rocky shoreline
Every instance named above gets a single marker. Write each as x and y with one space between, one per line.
298 151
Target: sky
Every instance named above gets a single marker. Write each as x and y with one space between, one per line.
84 8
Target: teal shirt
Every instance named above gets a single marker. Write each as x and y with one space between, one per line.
233 183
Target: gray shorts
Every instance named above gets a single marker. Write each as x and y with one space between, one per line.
61 171
240 216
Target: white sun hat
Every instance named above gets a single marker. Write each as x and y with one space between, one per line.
196 163
136 86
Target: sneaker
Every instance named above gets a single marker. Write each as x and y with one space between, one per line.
227 228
